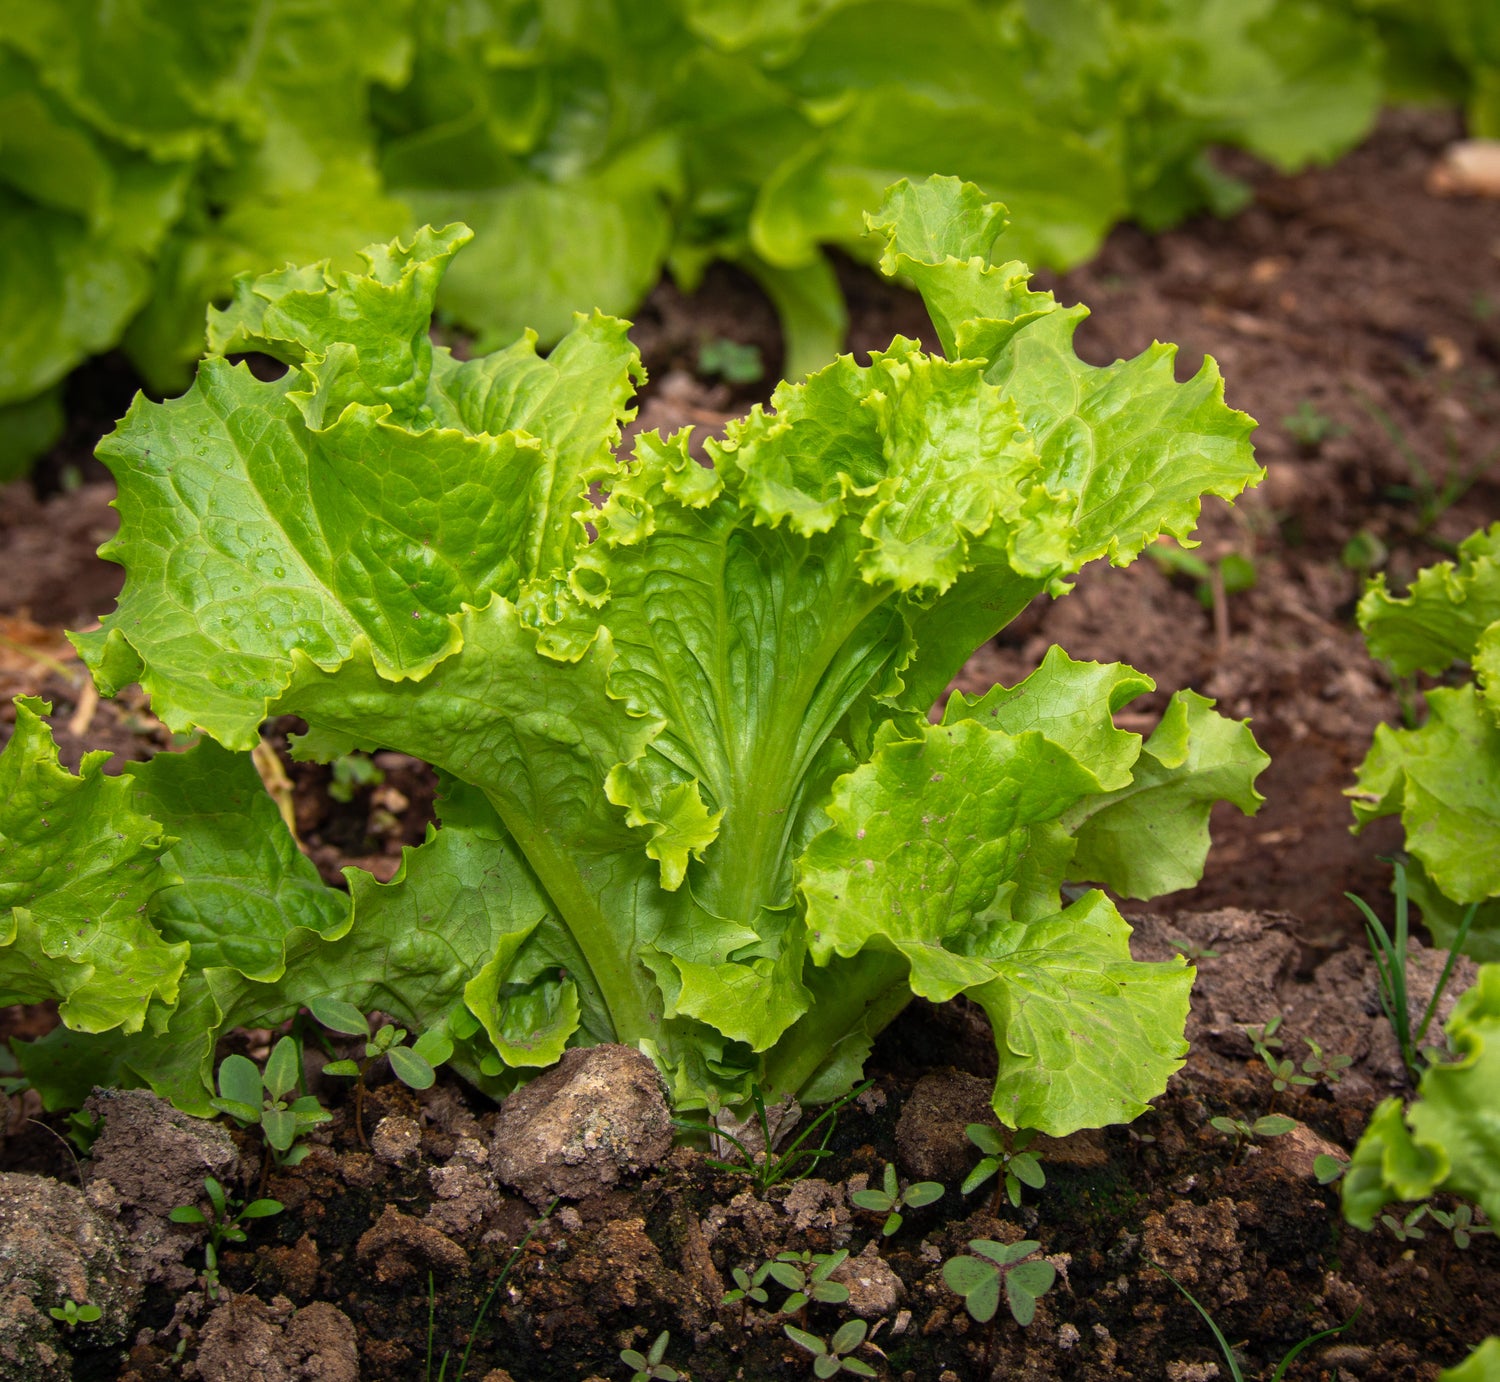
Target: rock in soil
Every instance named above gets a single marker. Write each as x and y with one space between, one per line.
930 1139
246 1340
599 1114
149 1159
874 1289
54 1247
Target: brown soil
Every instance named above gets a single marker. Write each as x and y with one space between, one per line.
1351 290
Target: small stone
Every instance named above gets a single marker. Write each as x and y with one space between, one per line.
599 1114
874 1289
1296 1149
397 1141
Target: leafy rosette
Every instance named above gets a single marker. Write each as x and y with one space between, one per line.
692 798
1443 778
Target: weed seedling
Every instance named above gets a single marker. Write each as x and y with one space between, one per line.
1192 951
805 1275
1310 428
1229 1354
1390 953
649 1366
732 361
1012 1163
72 1314
1461 1224
979 1278
891 1199
1267 1125
225 1216
1323 1069
831 1358
1405 1230
251 1097
747 1287
351 771
1283 1069
767 1168
413 1065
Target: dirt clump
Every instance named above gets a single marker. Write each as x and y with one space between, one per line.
148 1159
54 1248
399 1245
247 1340
930 1139
597 1115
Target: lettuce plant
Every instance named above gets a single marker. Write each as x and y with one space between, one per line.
692 799
1444 1141
1443 778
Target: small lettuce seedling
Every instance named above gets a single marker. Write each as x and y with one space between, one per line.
413 1065
253 1098
890 1199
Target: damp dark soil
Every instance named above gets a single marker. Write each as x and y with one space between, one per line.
1357 315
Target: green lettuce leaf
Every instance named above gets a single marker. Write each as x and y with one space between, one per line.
1443 616
1446 1140
81 864
1443 779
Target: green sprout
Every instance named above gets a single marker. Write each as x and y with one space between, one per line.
1327 1069
1390 953
747 1287
1229 1354
251 1097
767 1168
351 771
805 1275
224 1218
413 1065
979 1278
1013 1164
1267 1125
1461 1223
832 1358
72 1314
1310 428
735 362
1405 1229
649 1366
890 1199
